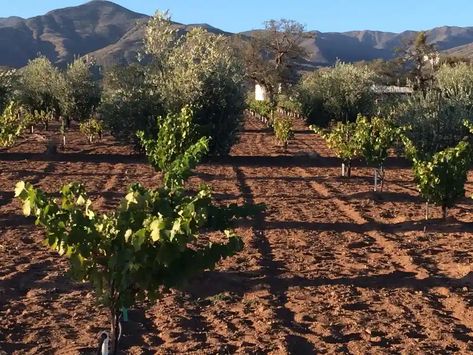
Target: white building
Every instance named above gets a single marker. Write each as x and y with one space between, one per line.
260 93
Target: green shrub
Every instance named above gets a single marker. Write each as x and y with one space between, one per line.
441 177
375 136
341 138
339 93
283 129
91 128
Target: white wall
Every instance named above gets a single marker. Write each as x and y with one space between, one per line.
260 93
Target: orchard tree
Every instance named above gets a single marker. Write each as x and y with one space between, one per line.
339 93
435 119
421 59
456 83
436 116
41 86
271 55
82 93
388 72
7 81
199 69
129 103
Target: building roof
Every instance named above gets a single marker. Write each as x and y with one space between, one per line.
392 89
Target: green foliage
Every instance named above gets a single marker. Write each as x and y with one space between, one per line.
289 104
130 103
339 93
468 125
388 72
441 177
375 137
197 69
152 240
261 107
435 119
282 126
7 81
341 138
11 125
436 116
271 56
41 86
37 117
91 128
82 93
176 149
420 59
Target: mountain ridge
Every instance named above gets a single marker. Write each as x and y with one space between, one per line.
114 34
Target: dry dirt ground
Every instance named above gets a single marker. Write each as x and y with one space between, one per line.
331 267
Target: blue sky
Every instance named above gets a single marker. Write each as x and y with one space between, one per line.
322 15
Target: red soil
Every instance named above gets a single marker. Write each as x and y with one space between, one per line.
331 268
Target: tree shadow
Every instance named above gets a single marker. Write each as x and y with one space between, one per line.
387 196
310 159
240 283
271 271
141 331
74 157
430 226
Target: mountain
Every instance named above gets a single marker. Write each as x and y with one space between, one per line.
114 35
65 33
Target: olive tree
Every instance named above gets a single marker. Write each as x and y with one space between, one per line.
339 93
7 80
41 86
129 102
82 94
199 69
456 83
436 116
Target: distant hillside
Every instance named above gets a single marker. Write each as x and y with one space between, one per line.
64 33
114 35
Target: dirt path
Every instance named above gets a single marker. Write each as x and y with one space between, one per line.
329 268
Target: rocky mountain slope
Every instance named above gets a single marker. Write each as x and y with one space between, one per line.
114 35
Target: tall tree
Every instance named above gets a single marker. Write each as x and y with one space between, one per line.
42 86
271 55
129 102
421 60
82 93
198 69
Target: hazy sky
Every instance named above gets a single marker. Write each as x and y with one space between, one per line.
322 15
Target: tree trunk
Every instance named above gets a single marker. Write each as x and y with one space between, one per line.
381 171
349 169
444 212
375 180
114 331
